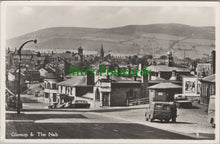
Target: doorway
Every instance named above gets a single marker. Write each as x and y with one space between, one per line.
105 99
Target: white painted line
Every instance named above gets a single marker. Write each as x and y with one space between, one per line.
19 121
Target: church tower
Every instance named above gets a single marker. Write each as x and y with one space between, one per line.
80 52
102 53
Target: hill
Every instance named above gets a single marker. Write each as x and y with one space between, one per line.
131 39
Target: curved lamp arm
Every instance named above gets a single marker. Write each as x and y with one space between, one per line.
19 50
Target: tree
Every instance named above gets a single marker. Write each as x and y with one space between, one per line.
68 52
134 59
163 57
144 59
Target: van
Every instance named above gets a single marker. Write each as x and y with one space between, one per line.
161 111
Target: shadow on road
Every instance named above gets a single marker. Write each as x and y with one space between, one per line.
81 109
14 116
172 122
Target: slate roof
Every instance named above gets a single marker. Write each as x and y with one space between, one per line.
75 81
50 76
210 78
165 68
39 58
120 79
28 52
62 55
165 86
105 63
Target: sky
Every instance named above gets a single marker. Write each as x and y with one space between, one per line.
24 19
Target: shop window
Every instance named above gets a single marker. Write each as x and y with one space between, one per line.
48 85
54 86
160 93
54 97
47 95
71 91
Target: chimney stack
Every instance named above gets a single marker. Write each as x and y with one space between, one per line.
144 83
90 78
80 52
213 61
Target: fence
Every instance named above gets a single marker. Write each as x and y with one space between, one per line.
138 101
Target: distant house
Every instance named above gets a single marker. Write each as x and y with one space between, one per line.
43 72
50 88
32 76
71 58
207 89
26 57
116 91
11 77
167 72
38 61
74 87
12 81
204 69
164 91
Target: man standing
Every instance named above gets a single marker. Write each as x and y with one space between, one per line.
173 112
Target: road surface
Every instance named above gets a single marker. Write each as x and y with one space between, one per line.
79 125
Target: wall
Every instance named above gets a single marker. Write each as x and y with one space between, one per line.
163 94
81 90
119 96
207 89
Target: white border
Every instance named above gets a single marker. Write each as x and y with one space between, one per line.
104 3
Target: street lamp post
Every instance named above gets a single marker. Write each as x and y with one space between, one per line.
19 73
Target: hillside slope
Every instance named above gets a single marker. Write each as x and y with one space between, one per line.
131 39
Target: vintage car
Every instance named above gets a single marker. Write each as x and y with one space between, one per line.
211 111
180 97
12 102
161 111
182 101
79 104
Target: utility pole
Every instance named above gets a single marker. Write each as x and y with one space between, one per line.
184 58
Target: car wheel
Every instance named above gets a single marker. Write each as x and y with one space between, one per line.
174 120
146 116
150 119
167 120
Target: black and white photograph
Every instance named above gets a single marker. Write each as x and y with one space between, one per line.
109 72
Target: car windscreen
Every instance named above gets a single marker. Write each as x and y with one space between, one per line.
162 107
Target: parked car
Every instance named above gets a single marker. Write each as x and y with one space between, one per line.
179 97
162 111
182 101
12 102
211 111
195 97
80 104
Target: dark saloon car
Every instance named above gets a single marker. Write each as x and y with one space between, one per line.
80 104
